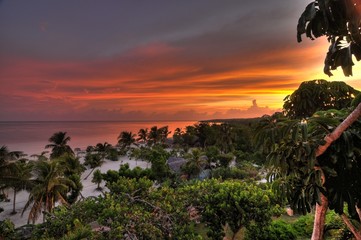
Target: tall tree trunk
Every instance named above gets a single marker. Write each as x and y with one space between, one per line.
330 138
351 227
319 222
14 202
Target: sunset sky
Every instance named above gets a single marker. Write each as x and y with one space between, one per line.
153 60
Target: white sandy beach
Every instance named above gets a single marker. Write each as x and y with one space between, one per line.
89 189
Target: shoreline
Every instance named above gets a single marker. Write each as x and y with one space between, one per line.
31 138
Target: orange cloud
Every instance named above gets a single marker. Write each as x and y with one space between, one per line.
161 78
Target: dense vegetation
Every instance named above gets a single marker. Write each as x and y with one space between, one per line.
309 160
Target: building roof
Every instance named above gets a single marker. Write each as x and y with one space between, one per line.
175 163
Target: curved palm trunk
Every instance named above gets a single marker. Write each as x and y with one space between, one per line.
330 138
89 173
81 195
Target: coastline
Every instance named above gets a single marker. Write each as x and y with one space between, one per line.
31 137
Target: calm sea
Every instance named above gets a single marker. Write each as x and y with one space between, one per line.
31 137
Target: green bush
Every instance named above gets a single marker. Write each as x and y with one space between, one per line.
228 173
124 171
7 229
113 154
335 228
234 173
304 225
277 230
233 203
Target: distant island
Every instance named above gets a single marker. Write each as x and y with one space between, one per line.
244 121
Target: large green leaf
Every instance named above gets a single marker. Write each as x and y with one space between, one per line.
338 20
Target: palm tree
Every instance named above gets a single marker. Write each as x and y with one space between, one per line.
20 178
153 136
71 164
190 137
177 137
4 161
41 157
126 139
94 160
143 135
196 161
59 145
7 159
74 191
205 134
163 133
103 149
6 155
97 178
72 170
226 138
51 187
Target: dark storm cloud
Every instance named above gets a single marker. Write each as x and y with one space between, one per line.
96 28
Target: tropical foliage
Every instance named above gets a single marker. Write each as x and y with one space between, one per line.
19 178
59 145
306 177
106 151
142 135
97 178
196 162
339 21
50 187
232 203
93 160
7 229
135 209
124 171
15 174
126 139
132 210
318 95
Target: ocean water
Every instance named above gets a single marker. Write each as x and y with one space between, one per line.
31 137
